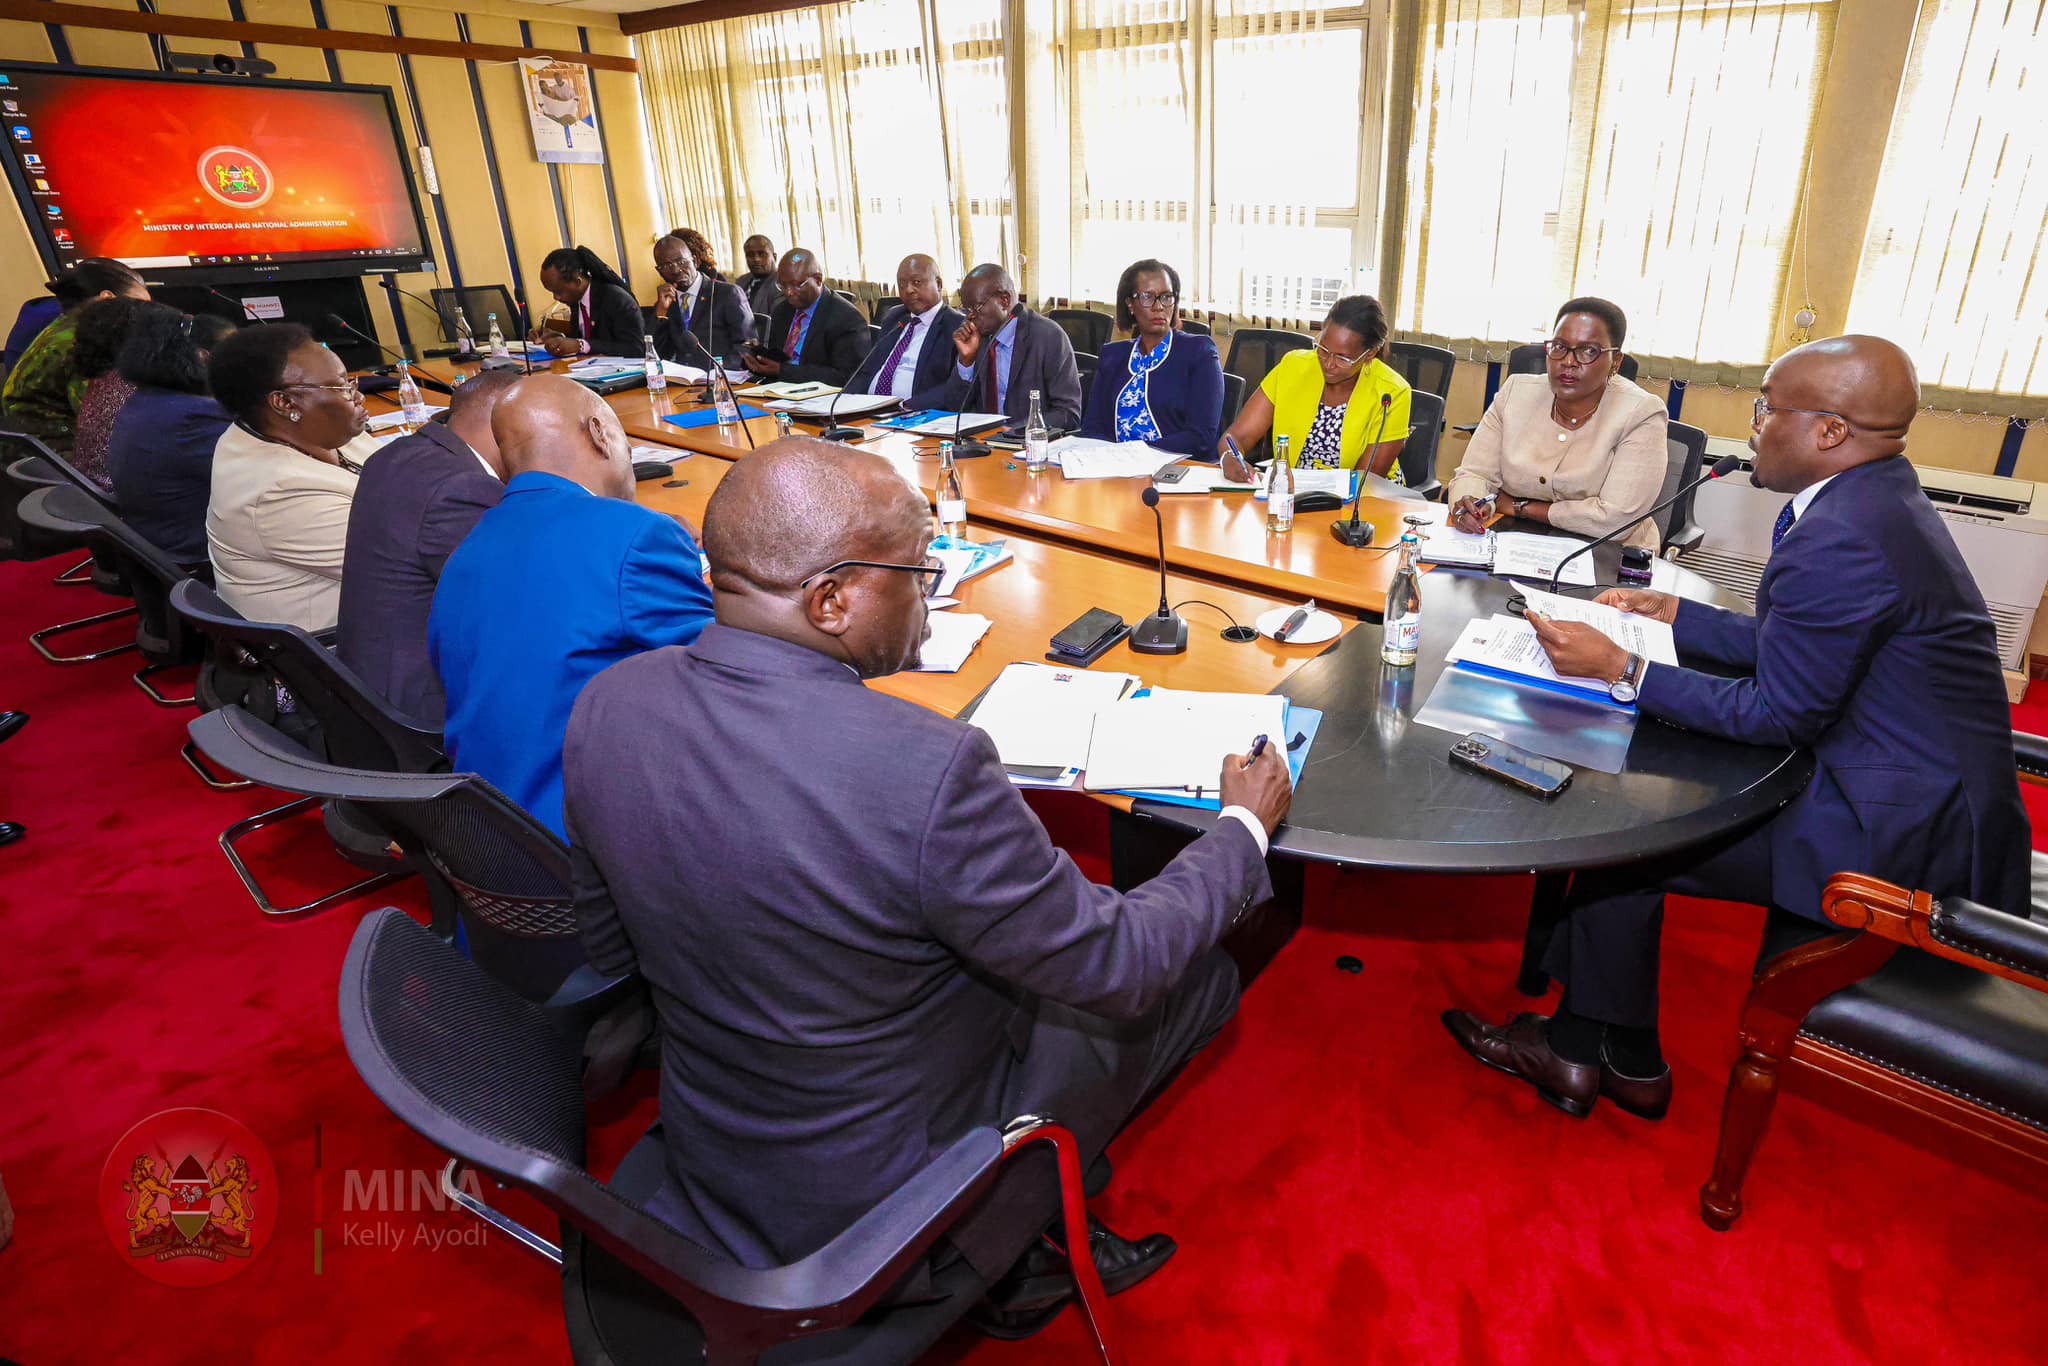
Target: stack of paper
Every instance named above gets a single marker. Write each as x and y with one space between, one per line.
1084 457
1507 646
943 425
837 405
1448 545
953 638
1337 482
789 389
1178 740
1512 554
385 422
1040 716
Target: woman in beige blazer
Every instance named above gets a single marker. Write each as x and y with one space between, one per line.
284 474
1578 448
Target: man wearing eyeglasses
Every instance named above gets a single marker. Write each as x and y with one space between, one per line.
1871 647
860 941
565 576
1005 352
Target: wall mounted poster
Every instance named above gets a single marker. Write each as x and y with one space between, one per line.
562 111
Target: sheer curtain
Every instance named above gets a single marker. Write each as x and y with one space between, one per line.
1651 153
1951 262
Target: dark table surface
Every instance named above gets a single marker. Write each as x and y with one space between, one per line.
1379 790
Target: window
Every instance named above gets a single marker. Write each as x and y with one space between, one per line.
1961 215
1650 153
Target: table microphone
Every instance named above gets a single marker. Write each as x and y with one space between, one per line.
465 339
834 432
1353 532
1164 632
424 381
248 309
526 331
1727 464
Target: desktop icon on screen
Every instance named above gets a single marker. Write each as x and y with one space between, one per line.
53 211
11 106
61 237
31 160
21 133
43 185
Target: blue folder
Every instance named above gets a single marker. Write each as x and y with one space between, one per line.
705 417
1300 727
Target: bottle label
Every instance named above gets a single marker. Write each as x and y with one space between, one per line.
1404 633
952 510
1280 504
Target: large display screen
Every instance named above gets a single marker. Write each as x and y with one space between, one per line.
213 178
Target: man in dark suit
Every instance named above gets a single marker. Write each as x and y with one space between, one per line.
1005 352
914 354
695 315
886 950
1872 647
565 576
416 502
824 336
758 284
604 317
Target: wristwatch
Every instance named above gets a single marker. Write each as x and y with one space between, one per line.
1623 689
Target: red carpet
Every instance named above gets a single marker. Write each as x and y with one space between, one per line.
1344 1184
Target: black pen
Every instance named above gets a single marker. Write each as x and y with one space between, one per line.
1258 748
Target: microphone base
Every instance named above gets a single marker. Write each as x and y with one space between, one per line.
503 363
847 434
469 357
1357 535
1160 635
971 450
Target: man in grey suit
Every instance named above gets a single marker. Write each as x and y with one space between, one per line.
1007 351
419 497
861 943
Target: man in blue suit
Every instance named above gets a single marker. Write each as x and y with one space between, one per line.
914 355
566 576
1870 646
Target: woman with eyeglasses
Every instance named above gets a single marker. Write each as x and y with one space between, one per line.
1340 405
284 474
1578 447
1163 387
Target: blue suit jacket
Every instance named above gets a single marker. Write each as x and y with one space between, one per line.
553 586
935 357
160 456
1185 394
1871 645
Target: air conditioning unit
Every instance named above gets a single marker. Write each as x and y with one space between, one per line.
2000 525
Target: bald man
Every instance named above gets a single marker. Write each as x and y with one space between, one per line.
695 316
819 336
860 941
914 354
1871 647
1006 352
565 576
416 502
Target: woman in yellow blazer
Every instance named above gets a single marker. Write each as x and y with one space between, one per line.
1339 405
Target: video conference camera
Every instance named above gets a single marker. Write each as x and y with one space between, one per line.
221 62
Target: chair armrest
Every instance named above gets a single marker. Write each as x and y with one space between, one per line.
1467 428
1981 937
1432 491
2030 752
1683 539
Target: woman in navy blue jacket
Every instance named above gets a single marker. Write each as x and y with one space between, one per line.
1165 387
161 452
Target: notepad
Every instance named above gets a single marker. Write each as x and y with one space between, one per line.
1084 457
1511 554
1170 739
1199 479
836 404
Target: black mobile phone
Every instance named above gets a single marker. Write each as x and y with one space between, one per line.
1086 631
1511 764
1172 474
765 352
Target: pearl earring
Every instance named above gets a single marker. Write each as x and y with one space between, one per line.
295 417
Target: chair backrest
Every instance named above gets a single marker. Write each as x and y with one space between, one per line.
149 574
29 444
1086 363
1425 367
1529 360
1255 350
1417 461
1088 330
1686 448
761 321
477 303
883 305
358 728
1189 325
1233 398
874 333
848 295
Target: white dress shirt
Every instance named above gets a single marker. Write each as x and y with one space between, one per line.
1803 499
903 383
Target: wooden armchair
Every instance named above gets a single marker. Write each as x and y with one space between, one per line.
1945 1044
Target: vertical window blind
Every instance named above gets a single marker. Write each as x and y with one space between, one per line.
1950 266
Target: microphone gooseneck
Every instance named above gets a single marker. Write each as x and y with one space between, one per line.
1164 632
1352 532
248 309
1726 465
465 335
424 381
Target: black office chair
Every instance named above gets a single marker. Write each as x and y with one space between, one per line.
476 303
1233 399
761 321
357 729
1255 350
849 296
484 1075
874 334
1086 363
1088 330
1530 360
882 307
61 514
1194 328
1687 446
1417 461
163 637
1425 367
28 467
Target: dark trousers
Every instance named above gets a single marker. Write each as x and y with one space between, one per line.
1094 1076
1607 947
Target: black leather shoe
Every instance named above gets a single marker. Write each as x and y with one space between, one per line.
1120 1262
1646 1098
1031 1294
1521 1048
10 831
10 722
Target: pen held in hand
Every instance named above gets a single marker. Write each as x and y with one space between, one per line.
1258 748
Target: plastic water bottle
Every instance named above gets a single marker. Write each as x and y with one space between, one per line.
657 378
1037 437
497 342
782 425
1280 490
1401 623
721 397
952 500
411 402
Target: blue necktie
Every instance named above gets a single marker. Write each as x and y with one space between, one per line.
1784 525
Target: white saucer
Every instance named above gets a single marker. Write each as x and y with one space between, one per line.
1319 627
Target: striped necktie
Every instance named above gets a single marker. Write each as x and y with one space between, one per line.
1784 525
888 372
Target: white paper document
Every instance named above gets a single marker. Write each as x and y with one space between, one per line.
1510 645
1447 545
1178 740
963 564
1525 555
788 389
836 404
1041 716
1335 482
385 422
1645 636
1083 457
953 638
1202 479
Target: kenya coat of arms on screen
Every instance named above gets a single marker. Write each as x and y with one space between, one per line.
189 1196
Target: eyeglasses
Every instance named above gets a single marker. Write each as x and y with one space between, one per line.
347 386
1335 359
1584 355
1764 409
932 568
1147 299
